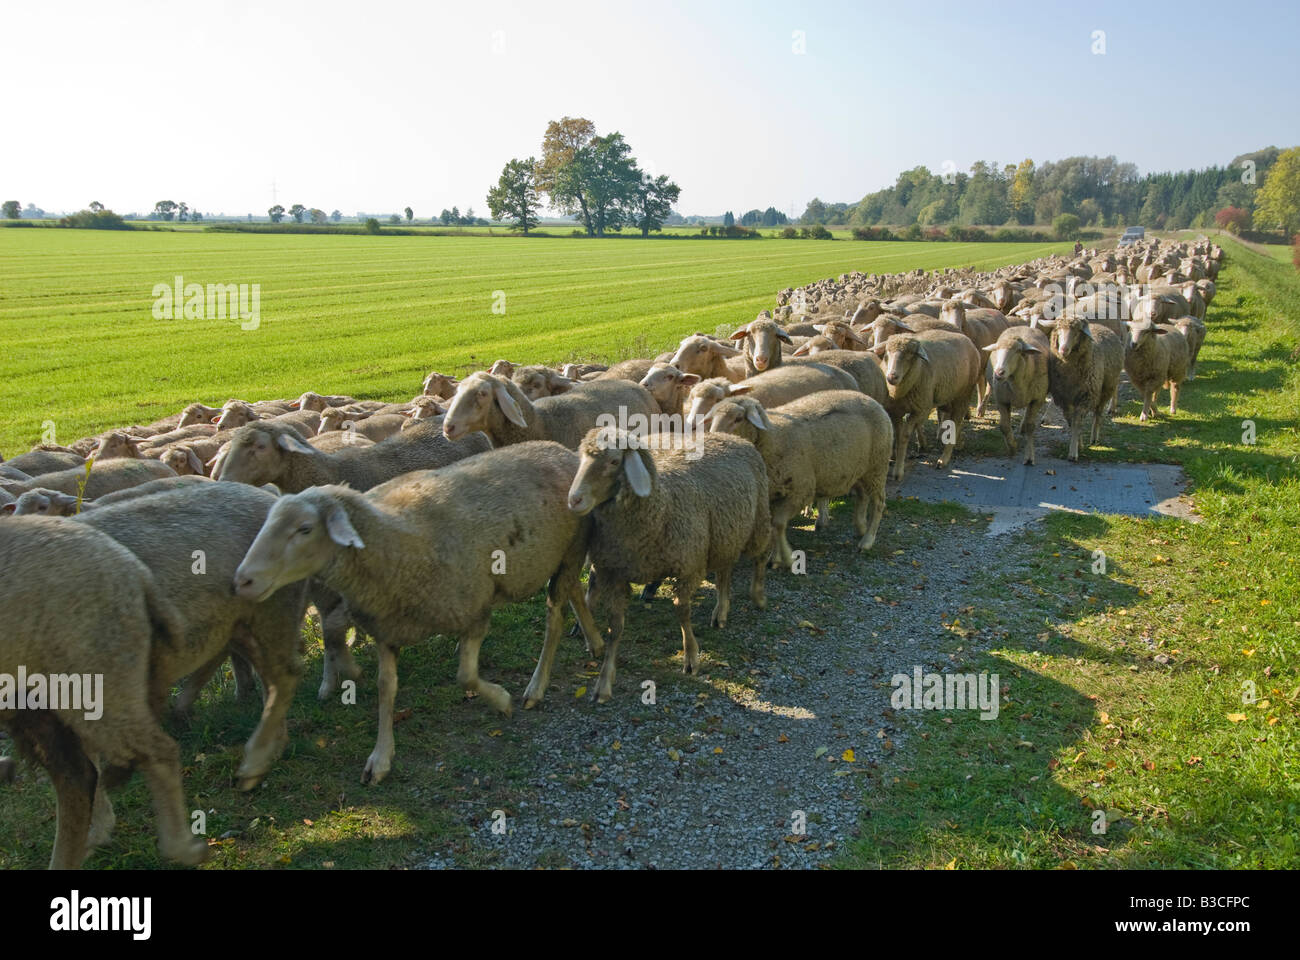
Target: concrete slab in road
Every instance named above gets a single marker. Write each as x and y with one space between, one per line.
1016 494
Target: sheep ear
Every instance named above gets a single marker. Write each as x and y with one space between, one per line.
341 530
724 350
1027 347
508 406
8 508
784 336
878 350
802 350
562 384
990 348
690 379
294 444
638 477
1088 333
741 333
758 417
192 458
819 327
739 388
853 335
921 354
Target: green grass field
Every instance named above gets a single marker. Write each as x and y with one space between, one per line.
368 316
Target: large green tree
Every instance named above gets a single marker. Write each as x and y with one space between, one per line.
1278 202
559 174
11 209
515 194
653 201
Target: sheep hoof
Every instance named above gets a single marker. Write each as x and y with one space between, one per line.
376 769
246 782
190 853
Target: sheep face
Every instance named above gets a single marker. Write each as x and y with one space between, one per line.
667 383
503 368
741 416
235 414
472 407
301 535
903 355
538 382
42 502
184 461
882 328
696 354
1142 332
438 385
332 419
611 460
424 408
310 401
1067 334
761 339
256 455
707 393
197 413
841 335
117 445
1006 361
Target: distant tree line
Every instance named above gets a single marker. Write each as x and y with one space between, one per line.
1100 191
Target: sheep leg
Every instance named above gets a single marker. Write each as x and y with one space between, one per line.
782 554
380 760
721 609
467 675
902 433
245 685
192 685
981 392
956 416
74 778
160 762
339 664
617 603
563 586
1173 397
682 591
1148 399
868 508
102 817
757 586
1027 428
823 513
1004 424
649 591
1076 425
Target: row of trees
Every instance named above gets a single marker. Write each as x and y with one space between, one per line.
593 177
166 210
1100 191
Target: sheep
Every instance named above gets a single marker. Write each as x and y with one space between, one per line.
934 369
110 625
236 414
103 478
672 512
670 387
863 367
503 368
1161 305
1083 368
842 335
499 409
538 381
886 325
581 371
762 343
817 447
772 388
1017 377
707 358
374 427
437 384
1195 301
197 413
118 444
983 327
44 459
271 452
634 370
1193 331
435 551
319 403
185 460
1159 357
424 408
218 521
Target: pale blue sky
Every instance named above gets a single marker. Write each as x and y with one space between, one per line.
377 105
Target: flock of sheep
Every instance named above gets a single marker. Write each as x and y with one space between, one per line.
405 520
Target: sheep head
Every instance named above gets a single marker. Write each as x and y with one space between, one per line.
479 399
613 463
300 536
